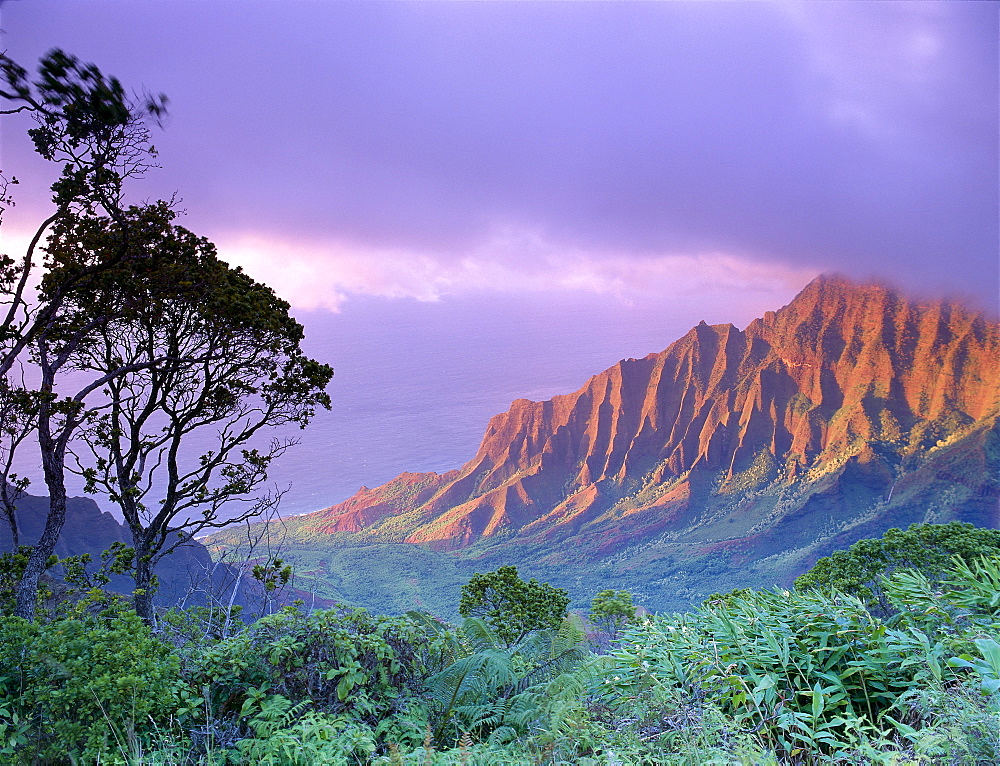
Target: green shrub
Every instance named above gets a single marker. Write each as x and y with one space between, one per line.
926 548
661 726
369 669
953 724
809 673
82 686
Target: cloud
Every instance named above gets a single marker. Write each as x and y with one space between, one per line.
324 276
881 68
860 137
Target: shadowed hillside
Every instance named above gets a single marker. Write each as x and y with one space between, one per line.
186 575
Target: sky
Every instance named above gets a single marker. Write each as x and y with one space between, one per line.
478 201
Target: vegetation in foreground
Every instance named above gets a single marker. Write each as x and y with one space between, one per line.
757 677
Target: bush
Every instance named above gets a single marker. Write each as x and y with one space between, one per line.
80 687
927 548
957 724
369 669
810 673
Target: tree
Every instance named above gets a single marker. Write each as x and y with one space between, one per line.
927 548
512 607
194 347
611 610
88 124
157 337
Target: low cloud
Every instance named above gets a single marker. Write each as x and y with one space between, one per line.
324 276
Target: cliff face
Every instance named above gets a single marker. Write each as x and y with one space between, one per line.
851 381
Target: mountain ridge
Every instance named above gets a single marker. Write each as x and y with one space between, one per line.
803 383
188 575
836 414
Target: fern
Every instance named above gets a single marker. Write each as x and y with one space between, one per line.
286 734
553 652
276 713
499 691
469 685
480 635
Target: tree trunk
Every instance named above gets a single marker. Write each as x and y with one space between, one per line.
142 597
53 454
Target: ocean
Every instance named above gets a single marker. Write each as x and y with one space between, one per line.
416 382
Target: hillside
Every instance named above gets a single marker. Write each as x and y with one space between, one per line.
185 576
733 457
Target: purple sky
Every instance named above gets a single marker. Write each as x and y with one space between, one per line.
429 149
639 165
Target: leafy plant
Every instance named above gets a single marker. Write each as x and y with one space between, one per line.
987 666
953 723
926 548
810 673
975 585
70 683
342 662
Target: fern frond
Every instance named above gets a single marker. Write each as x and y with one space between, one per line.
276 712
480 635
470 683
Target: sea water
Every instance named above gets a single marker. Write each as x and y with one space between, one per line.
416 383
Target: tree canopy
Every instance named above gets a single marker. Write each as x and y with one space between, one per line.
512 607
197 347
611 610
86 123
140 335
